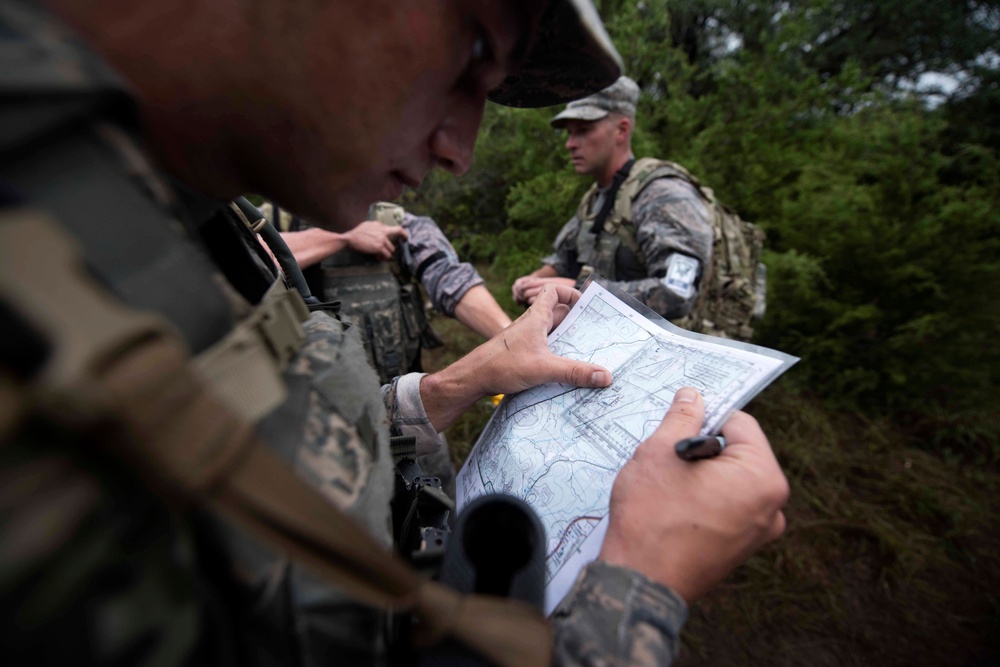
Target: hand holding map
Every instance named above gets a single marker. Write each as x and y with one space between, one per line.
560 448
720 511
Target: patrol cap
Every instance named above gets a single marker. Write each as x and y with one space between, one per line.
571 56
620 97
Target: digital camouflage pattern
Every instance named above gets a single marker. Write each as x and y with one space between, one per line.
620 97
657 228
385 299
97 569
732 291
335 435
618 618
435 264
668 218
94 568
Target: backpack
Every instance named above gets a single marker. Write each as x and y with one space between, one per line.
732 289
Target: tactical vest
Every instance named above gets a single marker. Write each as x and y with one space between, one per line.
136 387
732 288
384 300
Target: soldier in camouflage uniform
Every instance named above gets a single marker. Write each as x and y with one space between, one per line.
98 568
376 271
662 260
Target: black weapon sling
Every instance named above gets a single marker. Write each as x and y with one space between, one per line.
610 196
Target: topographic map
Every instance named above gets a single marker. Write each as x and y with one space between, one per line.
559 448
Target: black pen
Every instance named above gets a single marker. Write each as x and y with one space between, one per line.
700 447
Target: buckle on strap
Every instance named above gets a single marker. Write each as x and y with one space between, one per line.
278 319
244 369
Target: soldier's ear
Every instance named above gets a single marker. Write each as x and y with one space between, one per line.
624 127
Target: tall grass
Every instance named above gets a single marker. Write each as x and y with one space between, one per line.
891 557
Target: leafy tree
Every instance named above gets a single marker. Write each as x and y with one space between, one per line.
880 210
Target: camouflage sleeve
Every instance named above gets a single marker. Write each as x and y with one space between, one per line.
435 264
616 616
406 412
564 249
673 228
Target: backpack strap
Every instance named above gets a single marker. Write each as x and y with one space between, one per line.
642 173
127 377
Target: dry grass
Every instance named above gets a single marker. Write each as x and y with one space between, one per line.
891 557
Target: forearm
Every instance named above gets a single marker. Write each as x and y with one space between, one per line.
448 393
311 246
616 616
546 271
478 310
515 359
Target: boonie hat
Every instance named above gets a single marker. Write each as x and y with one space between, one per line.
570 57
620 97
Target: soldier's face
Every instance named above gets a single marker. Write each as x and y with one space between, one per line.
376 93
591 145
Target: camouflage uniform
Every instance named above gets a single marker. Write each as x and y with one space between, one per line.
384 299
673 230
97 569
656 241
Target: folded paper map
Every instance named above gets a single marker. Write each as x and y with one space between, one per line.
559 447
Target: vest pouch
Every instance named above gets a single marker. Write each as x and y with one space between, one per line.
381 332
414 314
585 253
605 252
412 306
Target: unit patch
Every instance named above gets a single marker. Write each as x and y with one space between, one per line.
681 274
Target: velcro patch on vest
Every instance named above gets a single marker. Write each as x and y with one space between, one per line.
681 274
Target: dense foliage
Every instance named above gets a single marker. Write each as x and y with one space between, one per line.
817 120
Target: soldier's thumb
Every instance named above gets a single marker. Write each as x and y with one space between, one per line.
577 373
683 419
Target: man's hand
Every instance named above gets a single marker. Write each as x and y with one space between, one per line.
526 288
372 237
688 524
515 359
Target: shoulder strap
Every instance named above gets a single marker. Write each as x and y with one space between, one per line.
128 377
610 196
257 222
646 171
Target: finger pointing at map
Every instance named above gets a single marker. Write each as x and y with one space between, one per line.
517 358
560 447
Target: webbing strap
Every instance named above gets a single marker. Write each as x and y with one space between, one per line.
374 269
610 196
244 369
127 377
403 447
